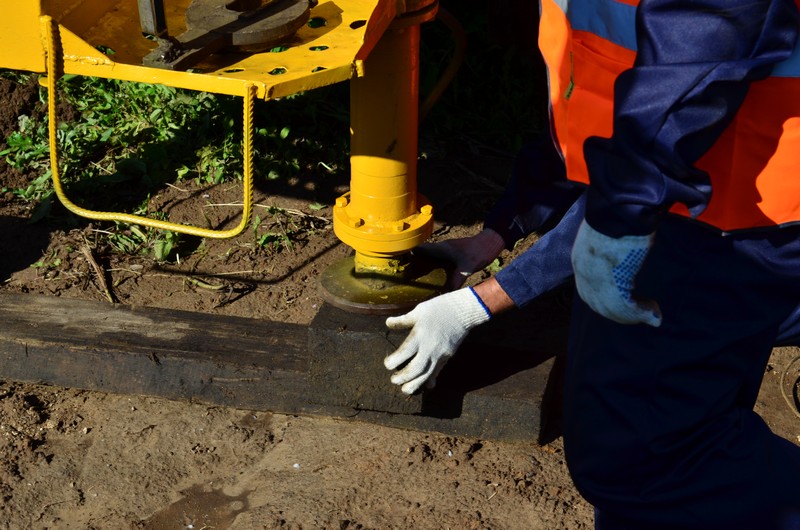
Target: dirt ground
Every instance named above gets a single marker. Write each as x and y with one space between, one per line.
78 459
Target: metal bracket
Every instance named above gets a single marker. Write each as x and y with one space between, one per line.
241 25
152 17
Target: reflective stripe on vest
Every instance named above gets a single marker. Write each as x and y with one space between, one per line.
586 44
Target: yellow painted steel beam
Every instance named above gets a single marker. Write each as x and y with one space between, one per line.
316 56
21 46
383 216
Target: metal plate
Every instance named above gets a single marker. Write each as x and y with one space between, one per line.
329 49
248 25
214 26
342 287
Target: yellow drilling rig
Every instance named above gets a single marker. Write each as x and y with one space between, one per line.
223 47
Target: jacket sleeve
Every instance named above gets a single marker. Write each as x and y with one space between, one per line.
537 195
546 265
694 63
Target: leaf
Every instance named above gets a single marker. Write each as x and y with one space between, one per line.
495 266
162 249
135 230
42 209
106 135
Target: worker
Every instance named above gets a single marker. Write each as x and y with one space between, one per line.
684 120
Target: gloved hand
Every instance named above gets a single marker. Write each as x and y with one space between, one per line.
467 254
438 326
605 270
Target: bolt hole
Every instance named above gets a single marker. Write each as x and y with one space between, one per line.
318 48
279 49
318 69
317 22
277 71
233 70
358 24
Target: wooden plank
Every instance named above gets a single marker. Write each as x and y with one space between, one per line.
348 351
228 361
492 389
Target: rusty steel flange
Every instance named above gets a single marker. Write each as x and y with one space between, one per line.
248 25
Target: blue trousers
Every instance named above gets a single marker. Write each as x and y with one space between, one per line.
659 428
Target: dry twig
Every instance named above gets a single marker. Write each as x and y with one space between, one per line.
99 273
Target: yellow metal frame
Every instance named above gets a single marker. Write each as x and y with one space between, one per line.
70 33
315 57
374 43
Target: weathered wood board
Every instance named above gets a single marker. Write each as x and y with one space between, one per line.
492 389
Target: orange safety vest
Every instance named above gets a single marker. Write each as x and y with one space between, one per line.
754 166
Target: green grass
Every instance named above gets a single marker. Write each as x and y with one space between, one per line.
276 229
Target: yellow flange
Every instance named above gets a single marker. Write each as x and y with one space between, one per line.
372 234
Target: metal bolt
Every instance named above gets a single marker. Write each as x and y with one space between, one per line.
341 202
426 210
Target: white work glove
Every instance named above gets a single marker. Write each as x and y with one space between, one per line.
438 327
605 270
467 254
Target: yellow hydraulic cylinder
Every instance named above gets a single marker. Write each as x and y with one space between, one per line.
383 216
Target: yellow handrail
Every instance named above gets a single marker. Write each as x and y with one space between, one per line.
53 72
